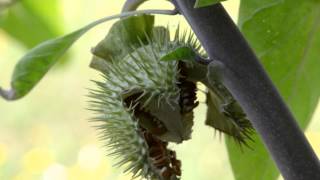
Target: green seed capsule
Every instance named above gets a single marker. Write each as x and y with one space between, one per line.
140 105
144 102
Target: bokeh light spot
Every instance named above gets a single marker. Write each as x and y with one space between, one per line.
55 172
89 157
37 160
3 154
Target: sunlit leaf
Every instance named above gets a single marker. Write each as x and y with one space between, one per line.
285 36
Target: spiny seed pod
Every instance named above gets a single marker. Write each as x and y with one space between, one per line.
144 102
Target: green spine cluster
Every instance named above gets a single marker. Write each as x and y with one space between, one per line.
139 72
120 130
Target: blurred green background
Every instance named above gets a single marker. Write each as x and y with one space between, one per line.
47 135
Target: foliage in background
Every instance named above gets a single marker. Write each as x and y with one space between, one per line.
285 36
32 21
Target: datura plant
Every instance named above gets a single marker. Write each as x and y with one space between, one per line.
147 93
148 90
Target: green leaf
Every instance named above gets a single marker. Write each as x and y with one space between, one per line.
29 22
179 53
204 3
122 36
37 62
285 36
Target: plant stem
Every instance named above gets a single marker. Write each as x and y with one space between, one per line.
245 77
131 5
133 13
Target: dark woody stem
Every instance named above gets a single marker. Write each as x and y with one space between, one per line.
246 79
